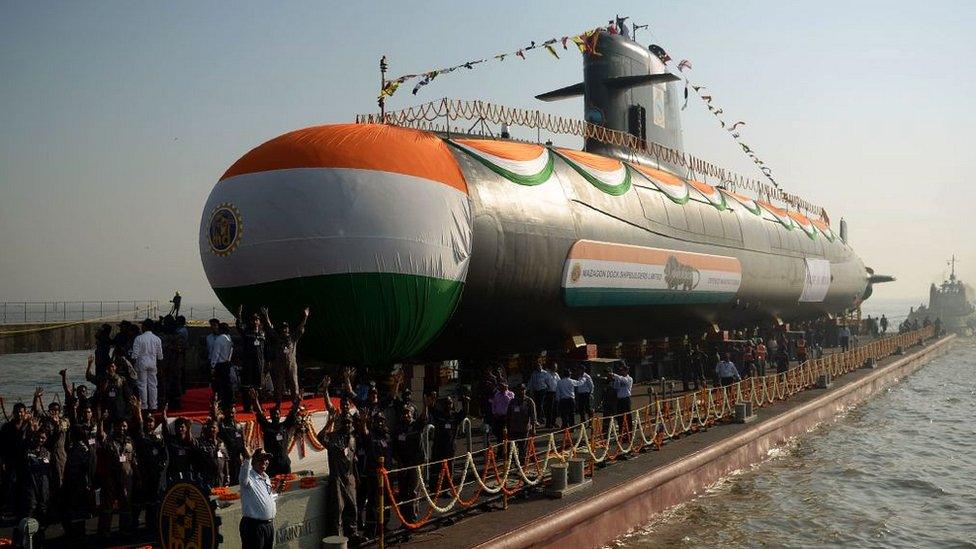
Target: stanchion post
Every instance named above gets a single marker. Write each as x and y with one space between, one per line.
507 465
380 522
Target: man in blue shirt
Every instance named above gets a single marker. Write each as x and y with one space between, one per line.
584 394
566 398
726 371
622 384
258 504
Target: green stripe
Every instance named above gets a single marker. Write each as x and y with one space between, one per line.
679 201
786 223
528 180
676 200
615 190
721 207
358 318
757 211
624 297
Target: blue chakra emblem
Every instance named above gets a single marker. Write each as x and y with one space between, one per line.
226 228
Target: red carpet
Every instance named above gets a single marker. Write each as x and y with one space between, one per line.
196 405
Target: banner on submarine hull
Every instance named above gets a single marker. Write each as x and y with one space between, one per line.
605 274
816 283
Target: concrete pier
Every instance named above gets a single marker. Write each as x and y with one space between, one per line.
47 337
631 493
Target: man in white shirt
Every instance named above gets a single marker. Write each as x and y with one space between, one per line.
726 372
258 505
566 398
214 332
584 395
221 350
147 350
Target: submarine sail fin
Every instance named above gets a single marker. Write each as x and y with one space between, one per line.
574 90
625 82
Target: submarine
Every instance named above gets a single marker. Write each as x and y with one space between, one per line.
414 245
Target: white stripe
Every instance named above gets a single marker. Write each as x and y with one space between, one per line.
715 197
807 227
612 178
749 204
520 167
318 221
678 192
784 219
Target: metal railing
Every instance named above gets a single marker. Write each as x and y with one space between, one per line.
437 116
39 312
35 312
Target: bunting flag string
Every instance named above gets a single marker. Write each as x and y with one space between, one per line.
585 41
683 67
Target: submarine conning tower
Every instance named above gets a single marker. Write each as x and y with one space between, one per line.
627 88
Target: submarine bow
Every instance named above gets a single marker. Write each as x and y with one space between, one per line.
369 225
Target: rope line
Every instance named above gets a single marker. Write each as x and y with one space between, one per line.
626 432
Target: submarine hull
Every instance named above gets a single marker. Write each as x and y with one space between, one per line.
408 246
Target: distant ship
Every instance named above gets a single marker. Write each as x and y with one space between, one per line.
952 303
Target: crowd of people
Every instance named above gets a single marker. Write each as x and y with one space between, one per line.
111 451
114 450
96 452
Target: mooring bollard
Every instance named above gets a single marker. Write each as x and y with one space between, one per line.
743 412
335 542
559 477
823 382
587 457
575 470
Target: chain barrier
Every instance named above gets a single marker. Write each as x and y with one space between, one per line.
425 117
626 433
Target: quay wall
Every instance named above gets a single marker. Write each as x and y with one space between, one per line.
597 521
77 336
47 338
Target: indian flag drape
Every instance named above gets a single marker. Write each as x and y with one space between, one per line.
522 163
711 194
671 185
607 174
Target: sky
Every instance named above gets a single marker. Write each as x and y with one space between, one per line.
117 118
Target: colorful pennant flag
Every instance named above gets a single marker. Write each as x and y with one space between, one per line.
660 53
389 89
585 41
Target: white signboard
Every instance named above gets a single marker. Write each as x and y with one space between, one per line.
817 281
659 95
605 274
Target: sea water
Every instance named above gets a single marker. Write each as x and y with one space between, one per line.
899 470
